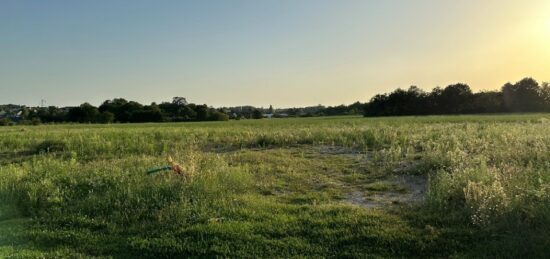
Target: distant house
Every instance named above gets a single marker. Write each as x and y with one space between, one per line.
281 115
268 115
15 115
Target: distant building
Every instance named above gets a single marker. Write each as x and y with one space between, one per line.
16 115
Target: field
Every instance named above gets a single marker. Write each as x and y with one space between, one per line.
435 186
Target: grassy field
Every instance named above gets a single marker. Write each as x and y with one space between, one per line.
436 186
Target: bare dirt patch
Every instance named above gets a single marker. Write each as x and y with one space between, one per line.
411 189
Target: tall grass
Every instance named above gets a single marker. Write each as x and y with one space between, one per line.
81 183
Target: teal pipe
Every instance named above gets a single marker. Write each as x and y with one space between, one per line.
159 169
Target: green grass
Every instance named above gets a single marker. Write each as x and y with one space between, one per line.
278 188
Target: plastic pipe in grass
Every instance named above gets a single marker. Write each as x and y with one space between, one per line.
159 169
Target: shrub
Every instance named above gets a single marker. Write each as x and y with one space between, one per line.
50 146
5 122
485 201
219 116
257 114
36 121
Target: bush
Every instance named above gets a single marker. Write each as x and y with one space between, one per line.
5 122
50 146
219 116
64 190
485 201
257 114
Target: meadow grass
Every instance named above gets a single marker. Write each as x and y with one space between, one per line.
278 188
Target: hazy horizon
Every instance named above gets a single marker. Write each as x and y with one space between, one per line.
283 53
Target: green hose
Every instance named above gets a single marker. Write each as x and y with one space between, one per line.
159 169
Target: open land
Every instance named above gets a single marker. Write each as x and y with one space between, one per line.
431 186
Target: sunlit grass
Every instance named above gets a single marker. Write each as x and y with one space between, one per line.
277 188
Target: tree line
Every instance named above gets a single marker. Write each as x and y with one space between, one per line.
120 110
251 112
526 95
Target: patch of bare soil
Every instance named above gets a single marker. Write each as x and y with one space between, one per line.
336 150
412 190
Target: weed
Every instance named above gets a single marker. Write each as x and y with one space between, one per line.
50 146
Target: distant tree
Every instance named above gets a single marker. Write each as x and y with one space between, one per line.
89 113
116 107
270 110
356 108
219 116
399 102
523 96
202 112
49 114
179 101
526 95
257 114
545 96
131 111
106 117
335 110
147 114
24 113
85 113
487 102
454 99
378 106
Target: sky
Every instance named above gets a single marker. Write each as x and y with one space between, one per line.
286 53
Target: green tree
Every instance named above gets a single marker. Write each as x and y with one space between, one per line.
219 116
106 117
523 96
202 112
454 99
257 114
84 113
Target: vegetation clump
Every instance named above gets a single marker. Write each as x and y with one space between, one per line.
50 146
527 95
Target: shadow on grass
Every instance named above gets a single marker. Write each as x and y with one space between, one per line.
15 157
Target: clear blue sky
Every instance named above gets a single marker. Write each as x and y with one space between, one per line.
280 52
